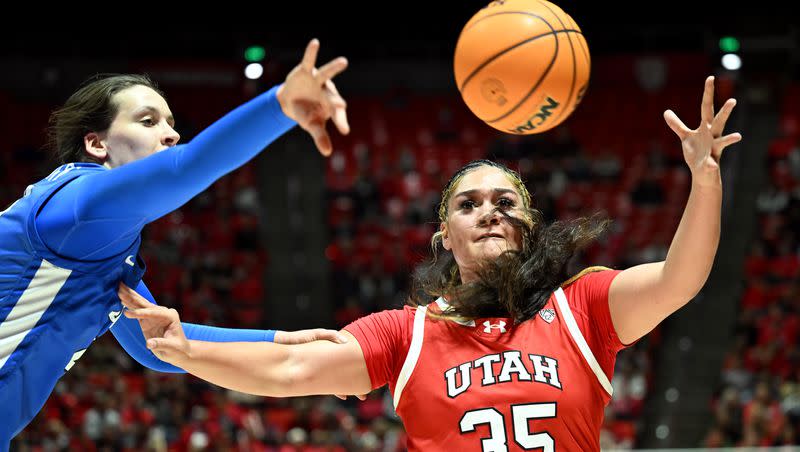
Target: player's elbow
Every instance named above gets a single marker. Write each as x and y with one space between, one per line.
686 293
678 291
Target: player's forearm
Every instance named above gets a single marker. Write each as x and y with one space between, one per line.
218 334
259 368
691 254
279 370
99 215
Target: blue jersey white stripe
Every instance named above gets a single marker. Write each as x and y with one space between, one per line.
30 307
60 266
51 307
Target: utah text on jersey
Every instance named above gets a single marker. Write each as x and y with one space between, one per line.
541 369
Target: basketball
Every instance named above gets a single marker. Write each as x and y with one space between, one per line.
522 66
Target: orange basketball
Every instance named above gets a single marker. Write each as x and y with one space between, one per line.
522 66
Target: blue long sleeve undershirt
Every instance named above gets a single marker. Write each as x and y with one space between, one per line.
100 214
130 337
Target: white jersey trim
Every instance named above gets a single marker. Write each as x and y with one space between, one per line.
31 305
414 350
575 332
444 306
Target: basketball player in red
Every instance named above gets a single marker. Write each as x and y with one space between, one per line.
513 354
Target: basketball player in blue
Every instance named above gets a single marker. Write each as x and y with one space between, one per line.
69 241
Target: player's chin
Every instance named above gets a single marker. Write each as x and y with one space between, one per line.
491 251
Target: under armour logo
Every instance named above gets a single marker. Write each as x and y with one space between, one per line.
488 326
548 315
129 260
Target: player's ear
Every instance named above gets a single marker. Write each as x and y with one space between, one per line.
95 145
445 237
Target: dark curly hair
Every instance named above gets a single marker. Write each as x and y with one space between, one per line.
517 284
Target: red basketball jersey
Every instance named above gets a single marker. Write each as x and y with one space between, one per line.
488 385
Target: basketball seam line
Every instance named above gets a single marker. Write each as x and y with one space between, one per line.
574 70
535 87
499 54
500 13
586 55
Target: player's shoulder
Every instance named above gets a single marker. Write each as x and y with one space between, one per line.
69 171
585 275
405 313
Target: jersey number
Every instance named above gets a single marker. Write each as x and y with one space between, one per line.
521 416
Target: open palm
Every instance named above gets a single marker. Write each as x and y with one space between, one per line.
703 146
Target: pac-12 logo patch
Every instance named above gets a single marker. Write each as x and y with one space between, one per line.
548 315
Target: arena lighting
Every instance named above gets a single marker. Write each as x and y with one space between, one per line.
729 44
254 54
254 71
731 62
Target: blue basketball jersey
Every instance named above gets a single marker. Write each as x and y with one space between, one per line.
51 307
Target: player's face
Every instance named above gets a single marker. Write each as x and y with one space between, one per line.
144 125
474 230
